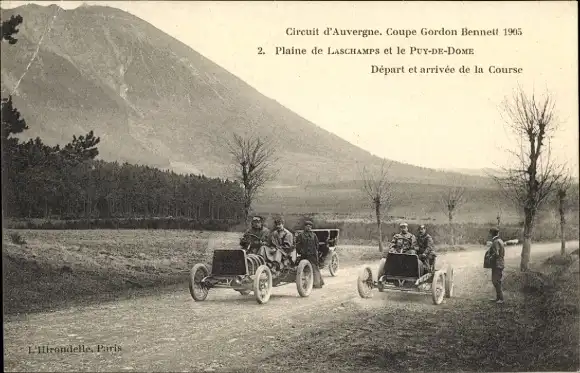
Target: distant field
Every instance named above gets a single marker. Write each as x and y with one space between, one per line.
412 202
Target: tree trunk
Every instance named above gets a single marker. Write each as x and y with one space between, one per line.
378 215
562 225
247 204
526 251
451 231
527 245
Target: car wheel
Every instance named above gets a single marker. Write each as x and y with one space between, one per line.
438 287
365 282
196 289
263 284
304 278
334 264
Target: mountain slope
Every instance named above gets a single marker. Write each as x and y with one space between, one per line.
153 100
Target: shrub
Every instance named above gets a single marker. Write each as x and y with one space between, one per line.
17 239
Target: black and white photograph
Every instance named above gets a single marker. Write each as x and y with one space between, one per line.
290 186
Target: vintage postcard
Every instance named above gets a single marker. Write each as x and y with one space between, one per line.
272 186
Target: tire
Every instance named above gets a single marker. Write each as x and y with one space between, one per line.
449 283
438 287
333 264
197 273
380 272
304 278
263 286
364 282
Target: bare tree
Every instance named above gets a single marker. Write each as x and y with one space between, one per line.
562 191
378 188
452 199
254 159
535 175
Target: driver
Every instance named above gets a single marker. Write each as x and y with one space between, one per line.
280 247
256 236
404 241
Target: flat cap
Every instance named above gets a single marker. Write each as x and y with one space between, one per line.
308 222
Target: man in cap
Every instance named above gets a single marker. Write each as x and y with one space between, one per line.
257 236
404 241
425 246
497 251
280 249
307 246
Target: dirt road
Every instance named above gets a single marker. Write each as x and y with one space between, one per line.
171 332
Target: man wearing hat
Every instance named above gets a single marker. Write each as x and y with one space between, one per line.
497 251
307 247
280 249
256 236
404 241
425 246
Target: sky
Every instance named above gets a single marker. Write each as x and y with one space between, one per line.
430 120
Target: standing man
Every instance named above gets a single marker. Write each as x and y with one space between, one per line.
307 247
257 236
404 241
497 253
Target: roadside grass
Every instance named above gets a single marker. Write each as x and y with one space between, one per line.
55 269
537 330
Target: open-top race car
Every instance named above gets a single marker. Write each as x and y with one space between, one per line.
327 244
404 272
246 272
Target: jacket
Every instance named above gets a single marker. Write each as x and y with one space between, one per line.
307 243
497 251
425 244
406 241
283 240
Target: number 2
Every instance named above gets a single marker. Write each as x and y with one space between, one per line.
260 50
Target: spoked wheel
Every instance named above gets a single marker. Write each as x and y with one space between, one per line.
449 283
334 263
304 278
365 282
196 289
438 287
380 273
263 284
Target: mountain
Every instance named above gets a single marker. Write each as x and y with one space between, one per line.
153 100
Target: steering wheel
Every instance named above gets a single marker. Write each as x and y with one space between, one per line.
250 234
